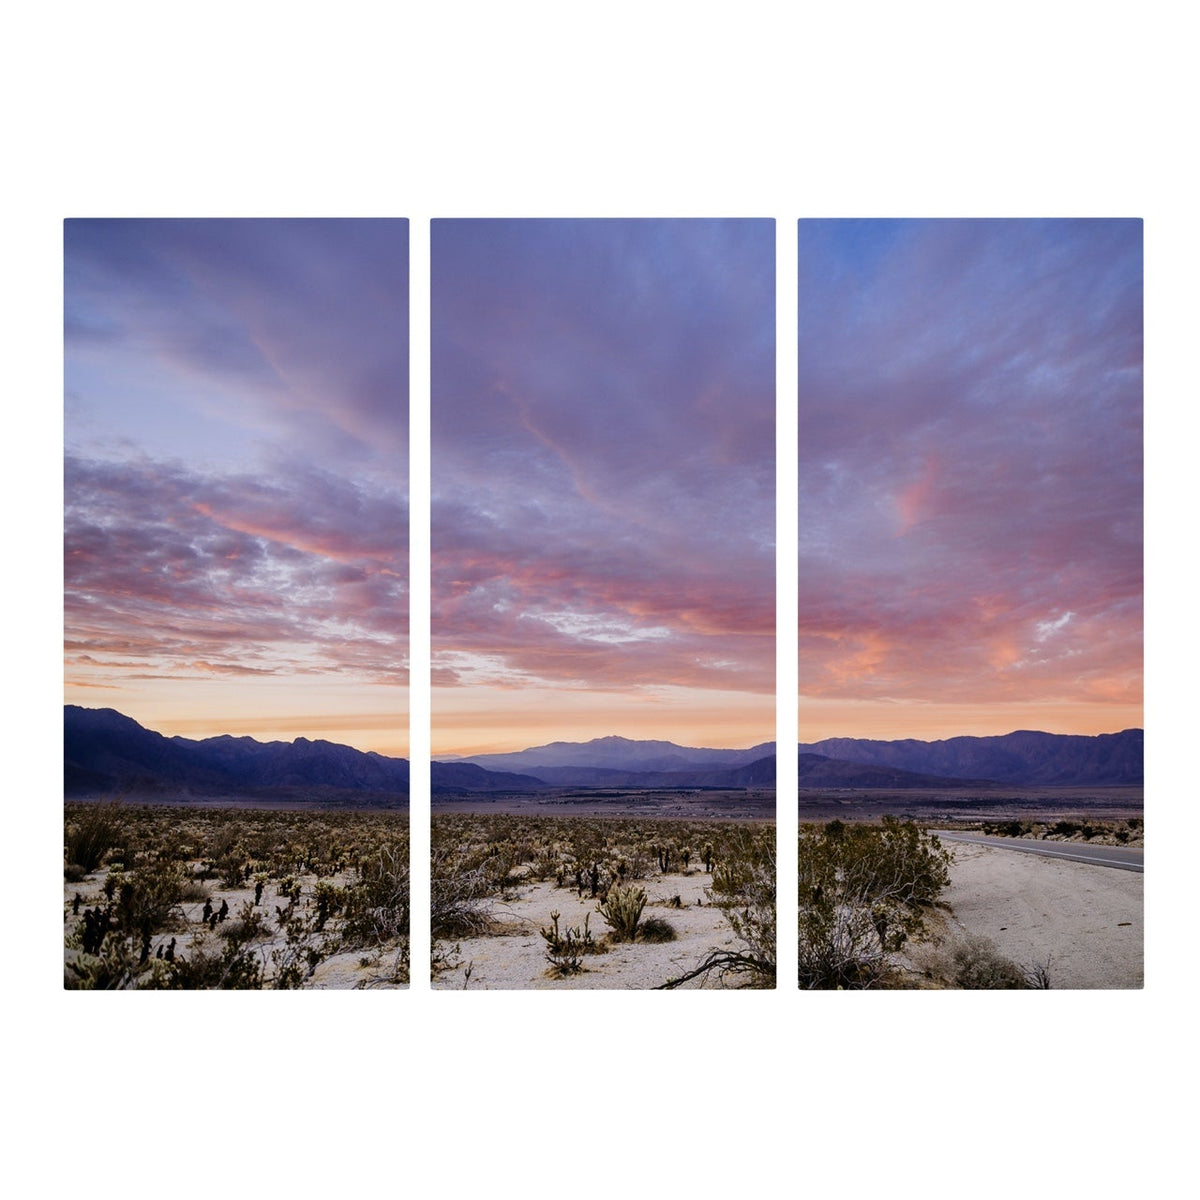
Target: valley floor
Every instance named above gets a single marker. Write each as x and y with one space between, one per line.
514 954
507 888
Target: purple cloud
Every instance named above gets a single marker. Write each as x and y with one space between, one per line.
603 453
970 460
236 471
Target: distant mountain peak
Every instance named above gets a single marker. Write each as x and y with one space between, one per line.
573 762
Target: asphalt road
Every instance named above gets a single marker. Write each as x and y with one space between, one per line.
1124 858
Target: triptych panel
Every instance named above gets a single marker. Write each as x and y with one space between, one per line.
603 562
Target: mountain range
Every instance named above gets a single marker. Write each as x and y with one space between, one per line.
107 753
1025 757
628 763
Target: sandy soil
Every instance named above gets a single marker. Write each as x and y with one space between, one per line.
1086 920
515 955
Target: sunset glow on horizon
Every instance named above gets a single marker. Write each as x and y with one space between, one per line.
602 482
236 500
970 470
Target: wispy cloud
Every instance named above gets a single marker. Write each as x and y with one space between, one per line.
300 574
970 461
236 469
603 454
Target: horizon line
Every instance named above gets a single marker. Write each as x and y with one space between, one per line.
456 754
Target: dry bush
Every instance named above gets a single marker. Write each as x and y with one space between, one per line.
976 965
458 896
146 897
96 829
377 905
972 962
863 892
656 930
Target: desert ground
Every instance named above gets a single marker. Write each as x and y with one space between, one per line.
234 899
508 888
1083 922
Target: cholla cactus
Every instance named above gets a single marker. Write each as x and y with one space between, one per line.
622 910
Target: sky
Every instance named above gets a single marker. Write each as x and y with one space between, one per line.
603 484
970 468
235 476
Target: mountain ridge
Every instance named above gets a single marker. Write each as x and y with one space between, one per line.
1024 757
105 751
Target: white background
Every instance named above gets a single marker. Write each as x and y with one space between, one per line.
523 109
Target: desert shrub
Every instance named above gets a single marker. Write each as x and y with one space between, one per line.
377 905
249 925
235 967
193 891
329 900
977 965
622 909
1006 828
570 937
839 947
656 929
566 947
231 868
294 964
862 892
457 896
146 896
93 833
